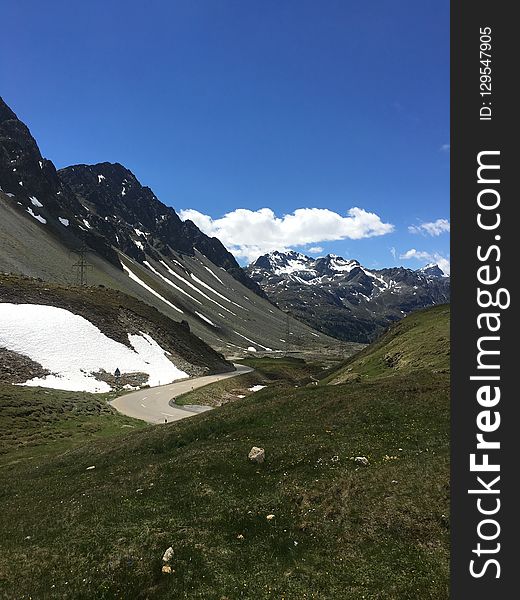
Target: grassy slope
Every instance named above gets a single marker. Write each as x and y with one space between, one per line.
268 371
421 341
340 530
36 422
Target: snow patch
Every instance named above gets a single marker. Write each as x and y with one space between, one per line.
175 287
37 217
63 221
205 285
253 342
256 388
73 349
190 285
205 318
35 202
215 276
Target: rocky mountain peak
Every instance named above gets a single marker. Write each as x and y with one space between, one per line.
433 270
6 114
343 298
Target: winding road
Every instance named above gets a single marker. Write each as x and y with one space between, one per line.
153 404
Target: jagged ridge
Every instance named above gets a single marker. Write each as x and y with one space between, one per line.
343 298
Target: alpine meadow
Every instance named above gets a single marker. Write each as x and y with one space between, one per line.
225 301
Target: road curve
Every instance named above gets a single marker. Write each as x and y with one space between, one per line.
153 404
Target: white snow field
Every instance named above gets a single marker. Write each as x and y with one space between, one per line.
73 349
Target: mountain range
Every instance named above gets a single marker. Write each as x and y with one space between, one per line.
98 224
341 297
98 220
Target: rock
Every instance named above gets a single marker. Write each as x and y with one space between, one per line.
168 554
240 536
256 455
270 517
361 460
167 569
90 468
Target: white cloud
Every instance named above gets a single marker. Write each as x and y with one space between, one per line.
248 234
413 253
445 148
428 257
316 250
433 228
393 252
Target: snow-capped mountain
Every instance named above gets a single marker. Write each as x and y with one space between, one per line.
343 298
433 270
131 242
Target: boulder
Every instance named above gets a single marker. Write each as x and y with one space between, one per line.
256 455
168 555
167 569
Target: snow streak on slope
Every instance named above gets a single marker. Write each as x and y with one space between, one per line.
205 319
133 276
253 342
199 281
73 349
215 276
176 287
172 272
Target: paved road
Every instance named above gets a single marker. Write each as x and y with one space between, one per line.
153 404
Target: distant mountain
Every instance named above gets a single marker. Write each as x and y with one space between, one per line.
341 297
131 242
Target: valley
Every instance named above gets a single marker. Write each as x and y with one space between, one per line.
118 320
356 473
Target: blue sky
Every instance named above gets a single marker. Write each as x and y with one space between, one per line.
220 105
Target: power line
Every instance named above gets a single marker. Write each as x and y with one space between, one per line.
81 266
287 333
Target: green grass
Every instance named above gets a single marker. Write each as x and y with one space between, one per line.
340 530
287 368
268 371
37 422
420 341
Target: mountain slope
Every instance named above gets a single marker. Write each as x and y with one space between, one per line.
130 217
341 297
69 330
133 243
